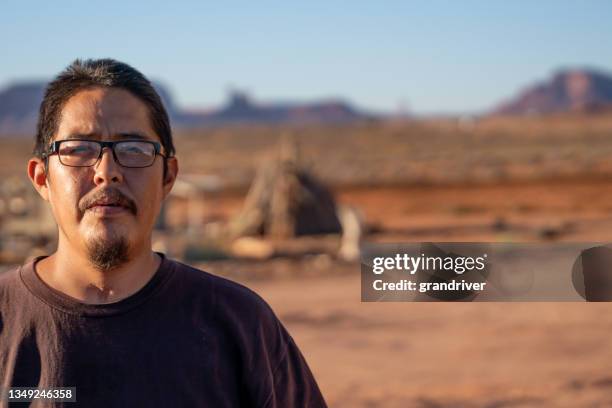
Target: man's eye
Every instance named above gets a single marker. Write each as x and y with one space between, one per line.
76 150
134 149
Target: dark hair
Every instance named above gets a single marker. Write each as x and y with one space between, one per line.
107 73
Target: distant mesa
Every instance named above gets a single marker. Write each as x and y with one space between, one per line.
574 90
241 109
19 107
19 104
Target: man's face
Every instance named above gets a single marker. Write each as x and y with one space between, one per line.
100 207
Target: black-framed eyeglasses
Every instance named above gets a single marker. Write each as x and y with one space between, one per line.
86 153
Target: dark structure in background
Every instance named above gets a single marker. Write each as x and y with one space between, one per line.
286 200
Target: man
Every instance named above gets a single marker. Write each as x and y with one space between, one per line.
125 326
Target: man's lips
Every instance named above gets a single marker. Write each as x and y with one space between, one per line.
106 204
103 209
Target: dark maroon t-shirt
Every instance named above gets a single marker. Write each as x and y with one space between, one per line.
186 339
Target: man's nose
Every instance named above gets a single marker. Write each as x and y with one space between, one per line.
107 170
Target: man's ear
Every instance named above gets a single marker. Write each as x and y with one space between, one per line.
171 173
38 176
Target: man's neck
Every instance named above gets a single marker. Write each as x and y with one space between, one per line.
74 275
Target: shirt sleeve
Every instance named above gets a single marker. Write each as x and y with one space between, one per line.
279 374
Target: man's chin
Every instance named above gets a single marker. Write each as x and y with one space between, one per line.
107 253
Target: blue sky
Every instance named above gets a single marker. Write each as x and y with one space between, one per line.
429 56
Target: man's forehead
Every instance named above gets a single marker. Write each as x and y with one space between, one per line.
105 114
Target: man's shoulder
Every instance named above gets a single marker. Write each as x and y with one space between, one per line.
9 278
203 279
227 295
11 290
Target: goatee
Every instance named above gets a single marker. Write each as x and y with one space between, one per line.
108 254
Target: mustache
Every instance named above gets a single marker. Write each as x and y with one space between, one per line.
108 196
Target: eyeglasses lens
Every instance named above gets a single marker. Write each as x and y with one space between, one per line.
79 153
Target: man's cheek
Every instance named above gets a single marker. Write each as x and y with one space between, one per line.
148 199
146 209
64 202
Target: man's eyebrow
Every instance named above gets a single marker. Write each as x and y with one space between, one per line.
96 136
82 136
132 135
